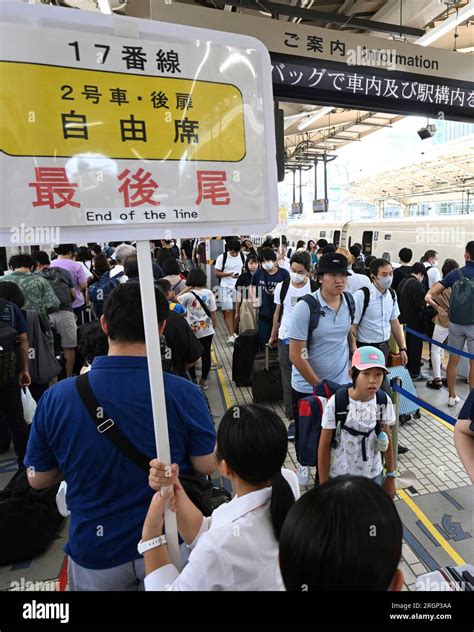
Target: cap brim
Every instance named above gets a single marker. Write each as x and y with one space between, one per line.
364 367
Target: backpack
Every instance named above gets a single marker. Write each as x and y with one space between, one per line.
366 292
310 414
342 409
461 303
99 290
315 312
55 278
224 259
29 520
284 291
10 364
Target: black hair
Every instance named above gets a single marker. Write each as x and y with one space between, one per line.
124 316
234 244
92 341
321 243
267 254
130 267
196 278
358 267
310 241
11 292
276 242
375 264
96 249
21 261
64 249
164 285
303 258
418 268
300 243
470 250
448 266
405 255
170 267
250 257
355 372
429 254
100 264
355 250
253 440
83 254
328 249
343 535
41 257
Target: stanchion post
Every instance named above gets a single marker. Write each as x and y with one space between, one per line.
407 478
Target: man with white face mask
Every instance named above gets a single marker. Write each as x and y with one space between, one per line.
377 311
433 275
286 296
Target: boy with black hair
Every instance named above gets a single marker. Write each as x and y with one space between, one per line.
228 269
404 270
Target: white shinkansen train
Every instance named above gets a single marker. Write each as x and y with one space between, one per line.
385 237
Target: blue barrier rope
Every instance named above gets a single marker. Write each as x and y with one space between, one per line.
423 404
470 356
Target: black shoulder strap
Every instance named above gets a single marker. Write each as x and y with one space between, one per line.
350 304
242 256
314 313
224 259
201 303
366 292
341 405
284 290
393 294
107 426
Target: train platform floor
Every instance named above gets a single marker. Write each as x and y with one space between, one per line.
436 509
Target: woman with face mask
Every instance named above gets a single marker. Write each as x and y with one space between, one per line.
245 312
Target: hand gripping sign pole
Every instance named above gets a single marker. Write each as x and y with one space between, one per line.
155 373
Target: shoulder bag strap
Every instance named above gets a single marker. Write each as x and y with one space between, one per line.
107 426
201 303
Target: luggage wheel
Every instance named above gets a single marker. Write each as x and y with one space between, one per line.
417 415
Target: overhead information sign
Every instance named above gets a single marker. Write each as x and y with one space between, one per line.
141 134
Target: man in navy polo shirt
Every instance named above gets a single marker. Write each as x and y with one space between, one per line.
108 494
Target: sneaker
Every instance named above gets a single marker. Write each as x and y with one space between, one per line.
230 340
452 401
302 474
291 431
421 377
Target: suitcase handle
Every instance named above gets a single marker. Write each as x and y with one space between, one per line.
267 357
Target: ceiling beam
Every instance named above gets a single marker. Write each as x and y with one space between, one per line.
311 16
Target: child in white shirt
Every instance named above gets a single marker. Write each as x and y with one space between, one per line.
354 447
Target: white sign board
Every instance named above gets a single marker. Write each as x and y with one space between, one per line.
166 131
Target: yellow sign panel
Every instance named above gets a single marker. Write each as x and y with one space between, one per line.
57 111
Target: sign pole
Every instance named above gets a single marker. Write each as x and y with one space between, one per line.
155 373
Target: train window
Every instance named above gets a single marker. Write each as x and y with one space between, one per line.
337 238
367 237
386 255
322 233
388 237
350 242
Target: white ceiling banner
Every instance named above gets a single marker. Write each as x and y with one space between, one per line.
119 128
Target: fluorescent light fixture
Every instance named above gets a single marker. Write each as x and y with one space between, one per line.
309 120
448 25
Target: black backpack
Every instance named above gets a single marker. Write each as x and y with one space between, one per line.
55 278
10 364
29 519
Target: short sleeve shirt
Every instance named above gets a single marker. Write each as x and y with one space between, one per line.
291 298
450 279
347 456
467 411
382 308
12 315
198 320
79 274
266 284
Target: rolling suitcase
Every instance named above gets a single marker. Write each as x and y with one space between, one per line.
266 379
245 348
406 408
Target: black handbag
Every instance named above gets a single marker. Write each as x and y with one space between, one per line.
198 487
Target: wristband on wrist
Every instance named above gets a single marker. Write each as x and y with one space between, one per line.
391 475
404 349
151 544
